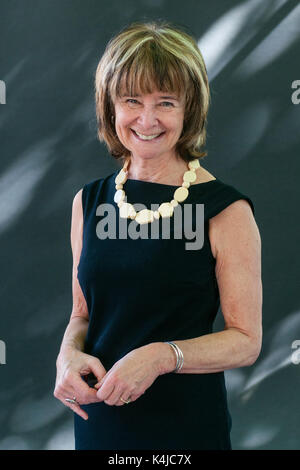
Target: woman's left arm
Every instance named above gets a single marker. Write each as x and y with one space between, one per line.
236 246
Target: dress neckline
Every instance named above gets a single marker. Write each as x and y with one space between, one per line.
167 185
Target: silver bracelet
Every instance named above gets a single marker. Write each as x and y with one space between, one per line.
179 355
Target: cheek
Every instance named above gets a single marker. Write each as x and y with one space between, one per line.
176 123
123 124
124 116
177 127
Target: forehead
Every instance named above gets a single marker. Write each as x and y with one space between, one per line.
143 86
156 94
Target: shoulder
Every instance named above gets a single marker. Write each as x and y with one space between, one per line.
77 209
80 197
76 221
233 226
89 193
93 186
216 195
77 200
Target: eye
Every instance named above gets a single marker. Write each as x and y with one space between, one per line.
167 102
130 100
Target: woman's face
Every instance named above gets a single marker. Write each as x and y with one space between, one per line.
159 114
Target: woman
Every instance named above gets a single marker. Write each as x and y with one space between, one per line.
139 364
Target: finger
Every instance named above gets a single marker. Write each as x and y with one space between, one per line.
119 397
105 391
121 402
99 384
73 406
77 409
82 391
115 397
97 369
102 379
74 389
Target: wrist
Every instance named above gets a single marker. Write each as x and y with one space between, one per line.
70 347
165 357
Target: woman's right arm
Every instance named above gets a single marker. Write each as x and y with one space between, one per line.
75 333
72 363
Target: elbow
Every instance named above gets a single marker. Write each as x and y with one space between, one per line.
252 359
253 353
250 347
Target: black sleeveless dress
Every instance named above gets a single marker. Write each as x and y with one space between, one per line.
145 290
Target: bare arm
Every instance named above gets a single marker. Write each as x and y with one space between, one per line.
236 245
72 363
77 328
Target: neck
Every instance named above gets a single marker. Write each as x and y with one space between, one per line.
168 170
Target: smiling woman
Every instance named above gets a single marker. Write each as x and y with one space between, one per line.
140 70
117 369
147 127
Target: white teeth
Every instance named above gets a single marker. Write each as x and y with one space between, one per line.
147 137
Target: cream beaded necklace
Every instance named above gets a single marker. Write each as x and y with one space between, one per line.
166 209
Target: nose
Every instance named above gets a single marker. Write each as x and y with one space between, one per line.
147 117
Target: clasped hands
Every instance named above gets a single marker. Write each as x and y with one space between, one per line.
128 378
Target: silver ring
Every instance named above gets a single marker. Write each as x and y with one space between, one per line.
126 401
72 400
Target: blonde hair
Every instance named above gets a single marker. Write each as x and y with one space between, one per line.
144 57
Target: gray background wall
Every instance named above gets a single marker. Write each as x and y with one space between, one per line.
49 51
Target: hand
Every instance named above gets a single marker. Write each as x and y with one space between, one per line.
129 377
71 366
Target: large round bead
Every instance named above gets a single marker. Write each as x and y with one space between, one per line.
121 177
119 195
189 176
181 194
144 216
127 211
166 209
194 164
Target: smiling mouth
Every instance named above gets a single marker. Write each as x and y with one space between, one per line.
146 140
